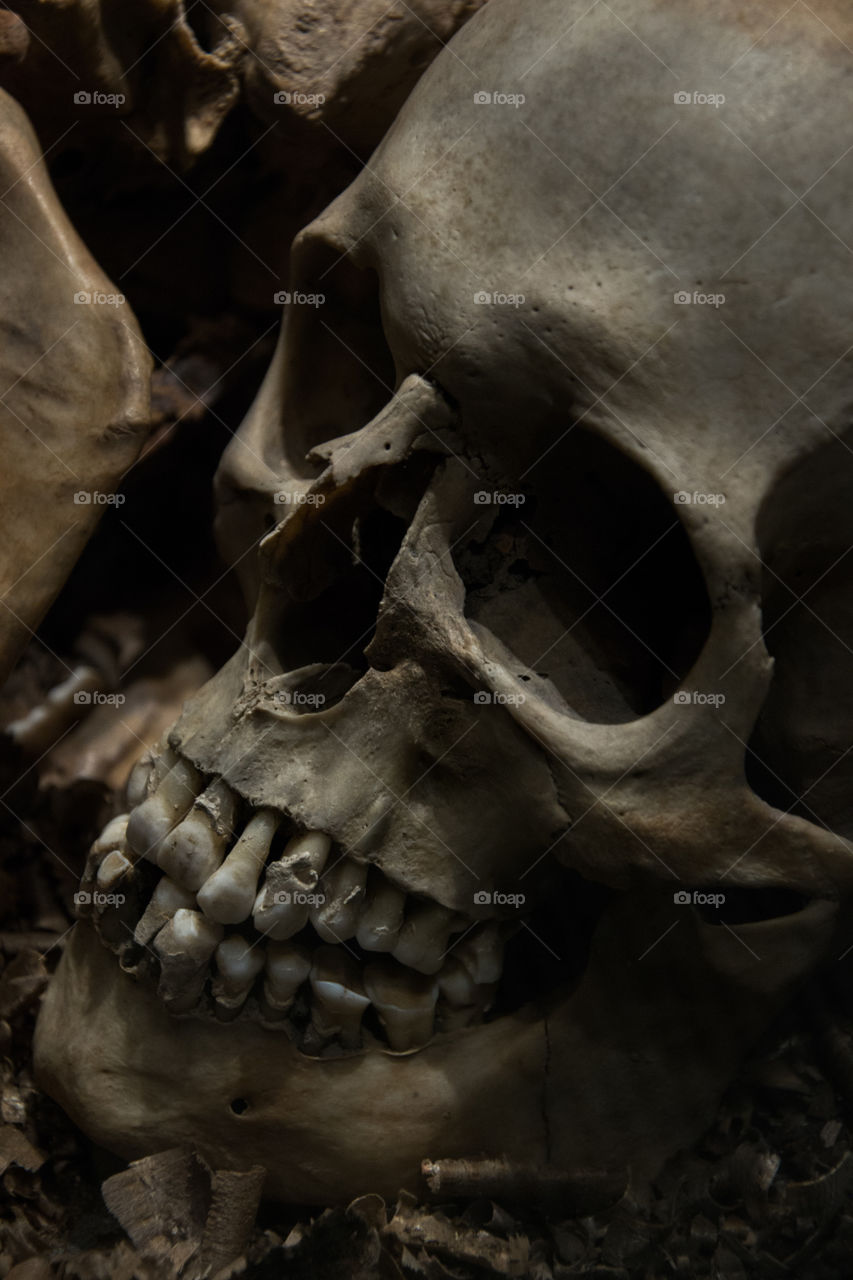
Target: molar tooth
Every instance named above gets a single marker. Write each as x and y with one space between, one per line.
339 998
238 964
194 849
166 899
422 943
229 895
382 916
481 951
287 967
336 919
404 1001
151 821
184 947
280 909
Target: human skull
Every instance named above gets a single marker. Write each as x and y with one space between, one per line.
540 454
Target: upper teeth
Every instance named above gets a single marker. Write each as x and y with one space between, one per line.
185 827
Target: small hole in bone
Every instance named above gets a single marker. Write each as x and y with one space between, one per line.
239 1106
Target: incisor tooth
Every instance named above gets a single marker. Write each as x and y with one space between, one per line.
336 919
113 836
166 899
461 1001
155 817
238 964
229 895
339 998
422 943
194 849
404 1001
184 947
481 951
280 909
114 868
287 967
382 917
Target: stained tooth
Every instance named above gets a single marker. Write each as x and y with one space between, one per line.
339 997
280 909
184 947
382 916
147 774
166 899
155 817
481 951
238 964
422 943
114 868
287 967
194 849
336 919
404 1001
229 895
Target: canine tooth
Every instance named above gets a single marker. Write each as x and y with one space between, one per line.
461 1001
114 835
184 947
287 967
382 916
151 821
166 899
194 849
422 943
280 909
229 895
481 951
404 1001
336 919
339 997
238 964
114 868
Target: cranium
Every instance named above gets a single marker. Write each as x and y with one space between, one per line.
567 428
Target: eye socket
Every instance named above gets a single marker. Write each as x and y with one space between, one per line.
339 369
591 582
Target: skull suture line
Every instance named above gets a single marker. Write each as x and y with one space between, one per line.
550 697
